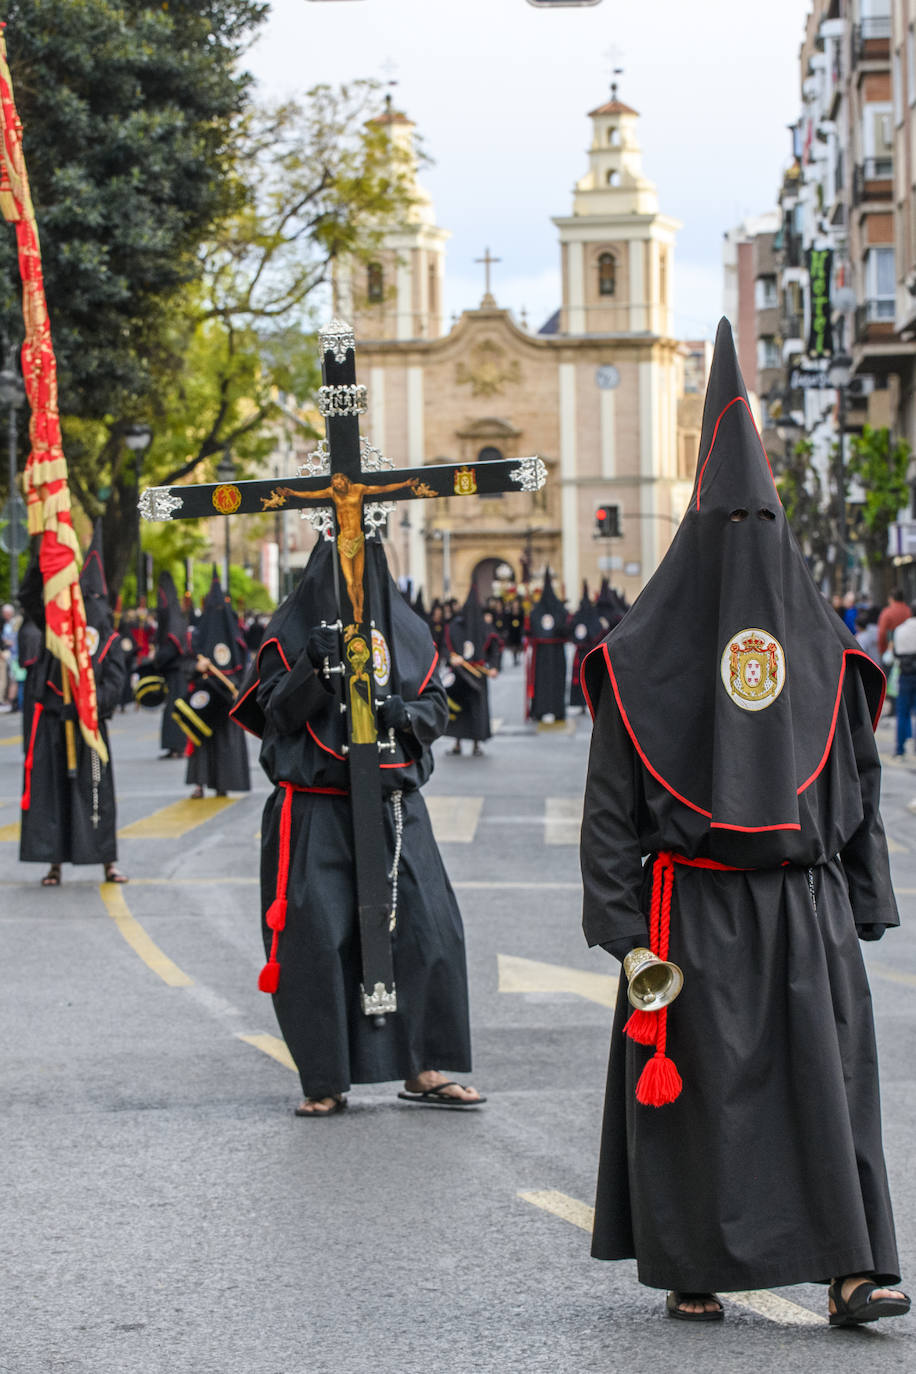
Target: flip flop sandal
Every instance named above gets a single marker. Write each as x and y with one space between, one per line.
340 1105
676 1297
859 1307
114 875
51 878
437 1097
197 794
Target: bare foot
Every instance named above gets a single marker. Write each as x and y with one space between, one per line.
701 1303
431 1078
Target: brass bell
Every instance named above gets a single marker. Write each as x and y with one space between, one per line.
652 983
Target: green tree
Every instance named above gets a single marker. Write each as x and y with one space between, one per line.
808 503
879 463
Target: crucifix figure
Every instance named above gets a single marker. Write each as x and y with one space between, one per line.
347 459
488 262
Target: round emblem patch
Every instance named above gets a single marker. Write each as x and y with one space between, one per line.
226 498
200 699
222 655
92 640
468 649
547 622
753 669
381 659
580 631
127 644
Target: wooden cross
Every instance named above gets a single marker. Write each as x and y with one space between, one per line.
345 470
488 262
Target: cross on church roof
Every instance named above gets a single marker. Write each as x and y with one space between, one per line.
488 261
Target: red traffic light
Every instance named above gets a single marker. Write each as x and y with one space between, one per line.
601 514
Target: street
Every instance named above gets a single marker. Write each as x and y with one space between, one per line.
162 1209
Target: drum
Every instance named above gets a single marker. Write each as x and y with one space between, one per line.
204 706
151 691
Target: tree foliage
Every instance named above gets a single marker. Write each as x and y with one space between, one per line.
879 463
808 502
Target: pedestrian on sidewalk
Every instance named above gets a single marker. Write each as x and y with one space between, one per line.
903 643
733 745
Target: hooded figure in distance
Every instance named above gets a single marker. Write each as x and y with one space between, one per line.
585 630
219 759
63 819
307 850
467 668
171 661
545 657
733 750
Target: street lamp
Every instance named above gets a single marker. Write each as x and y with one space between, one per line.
838 374
12 394
225 472
138 439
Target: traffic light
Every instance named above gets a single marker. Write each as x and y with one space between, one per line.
607 522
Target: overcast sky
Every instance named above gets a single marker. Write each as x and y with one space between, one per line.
500 92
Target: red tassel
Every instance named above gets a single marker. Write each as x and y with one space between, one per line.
269 977
276 914
642 1027
659 1083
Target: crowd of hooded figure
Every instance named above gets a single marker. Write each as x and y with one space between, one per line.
731 828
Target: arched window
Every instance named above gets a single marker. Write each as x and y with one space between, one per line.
607 275
613 178
489 455
375 282
613 137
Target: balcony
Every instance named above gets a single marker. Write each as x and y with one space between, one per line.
871 40
873 179
875 319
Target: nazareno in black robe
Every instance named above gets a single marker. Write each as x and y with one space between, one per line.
70 820
220 762
734 719
469 636
290 707
171 659
585 631
545 656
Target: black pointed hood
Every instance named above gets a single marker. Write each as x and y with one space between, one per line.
585 628
548 614
610 607
94 587
728 668
419 608
170 621
468 632
403 651
217 634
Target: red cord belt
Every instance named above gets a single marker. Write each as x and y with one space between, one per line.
660 1083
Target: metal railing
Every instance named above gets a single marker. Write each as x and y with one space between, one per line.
867 176
871 30
876 310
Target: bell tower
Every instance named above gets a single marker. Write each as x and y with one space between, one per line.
398 293
616 247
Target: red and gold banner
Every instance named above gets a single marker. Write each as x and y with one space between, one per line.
45 478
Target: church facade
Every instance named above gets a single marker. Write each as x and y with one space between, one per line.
594 394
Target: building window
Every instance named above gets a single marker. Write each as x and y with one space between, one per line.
880 282
607 275
375 283
613 178
767 353
490 454
613 137
766 296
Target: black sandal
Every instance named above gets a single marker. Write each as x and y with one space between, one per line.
52 877
859 1308
676 1297
340 1104
114 875
437 1097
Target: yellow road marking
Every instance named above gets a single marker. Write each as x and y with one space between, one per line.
892 975
272 1045
11 739
9 832
895 847
528 975
765 1304
454 819
139 941
176 820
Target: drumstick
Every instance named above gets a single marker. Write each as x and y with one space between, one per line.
212 668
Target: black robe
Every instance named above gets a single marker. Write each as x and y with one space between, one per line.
171 661
545 655
734 746
220 762
288 705
468 636
68 820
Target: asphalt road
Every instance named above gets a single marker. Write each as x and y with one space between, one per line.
161 1210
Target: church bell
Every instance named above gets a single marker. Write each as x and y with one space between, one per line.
652 982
